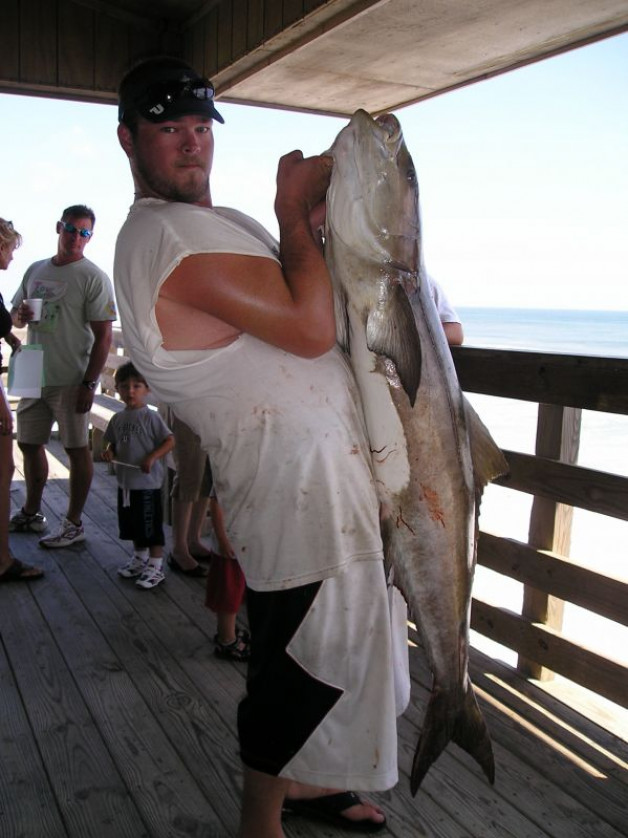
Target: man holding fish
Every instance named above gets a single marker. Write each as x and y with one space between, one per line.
237 332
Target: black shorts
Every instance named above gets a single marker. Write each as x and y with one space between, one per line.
142 522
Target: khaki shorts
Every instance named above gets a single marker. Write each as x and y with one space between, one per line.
35 418
193 478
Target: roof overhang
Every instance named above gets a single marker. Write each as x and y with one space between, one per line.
321 56
383 55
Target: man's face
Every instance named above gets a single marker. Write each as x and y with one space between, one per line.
172 160
71 243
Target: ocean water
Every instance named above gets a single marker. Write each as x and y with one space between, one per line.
598 542
602 333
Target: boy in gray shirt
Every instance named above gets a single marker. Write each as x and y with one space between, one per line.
138 439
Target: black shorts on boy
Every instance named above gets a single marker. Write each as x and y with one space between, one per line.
140 517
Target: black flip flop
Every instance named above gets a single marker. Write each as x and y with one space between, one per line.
201 557
329 808
20 572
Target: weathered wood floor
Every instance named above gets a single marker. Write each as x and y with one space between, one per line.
118 722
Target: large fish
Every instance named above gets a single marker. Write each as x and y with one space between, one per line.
432 456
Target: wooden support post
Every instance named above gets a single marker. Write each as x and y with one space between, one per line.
557 438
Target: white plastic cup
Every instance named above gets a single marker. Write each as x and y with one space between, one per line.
35 306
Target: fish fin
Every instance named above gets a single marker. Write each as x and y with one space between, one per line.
467 729
488 459
342 319
388 544
391 331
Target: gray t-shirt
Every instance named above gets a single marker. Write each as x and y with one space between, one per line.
135 434
73 295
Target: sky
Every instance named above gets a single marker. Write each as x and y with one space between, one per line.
523 178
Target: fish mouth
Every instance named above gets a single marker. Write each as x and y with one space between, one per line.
389 123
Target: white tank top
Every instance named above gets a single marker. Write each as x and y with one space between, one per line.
285 435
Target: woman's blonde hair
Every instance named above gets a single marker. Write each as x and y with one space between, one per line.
8 234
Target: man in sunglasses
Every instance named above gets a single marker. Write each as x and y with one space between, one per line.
236 332
74 329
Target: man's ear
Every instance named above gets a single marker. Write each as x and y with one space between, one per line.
125 139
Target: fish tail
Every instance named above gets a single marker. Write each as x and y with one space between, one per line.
471 734
466 727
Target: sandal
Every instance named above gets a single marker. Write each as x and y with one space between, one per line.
239 650
20 572
328 809
173 564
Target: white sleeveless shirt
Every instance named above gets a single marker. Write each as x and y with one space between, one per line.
285 435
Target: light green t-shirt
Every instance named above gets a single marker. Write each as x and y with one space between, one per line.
73 295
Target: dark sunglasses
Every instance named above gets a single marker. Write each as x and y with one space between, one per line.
83 232
160 96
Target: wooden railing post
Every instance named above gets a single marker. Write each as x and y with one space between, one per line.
558 438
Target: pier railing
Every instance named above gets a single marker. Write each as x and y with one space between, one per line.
562 386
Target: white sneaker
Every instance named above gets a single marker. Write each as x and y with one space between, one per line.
134 568
151 577
23 522
67 534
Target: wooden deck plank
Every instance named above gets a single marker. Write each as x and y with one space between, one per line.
132 679
201 732
542 769
601 749
83 778
26 801
132 693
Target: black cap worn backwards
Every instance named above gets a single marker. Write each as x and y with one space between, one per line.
160 89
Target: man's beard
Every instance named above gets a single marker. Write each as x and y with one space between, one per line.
187 192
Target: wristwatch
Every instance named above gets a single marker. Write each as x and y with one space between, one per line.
91 385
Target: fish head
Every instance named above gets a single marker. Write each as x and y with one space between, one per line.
373 198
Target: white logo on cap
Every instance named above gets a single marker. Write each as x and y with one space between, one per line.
157 109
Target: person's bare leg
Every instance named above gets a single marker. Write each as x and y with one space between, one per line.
181 516
35 475
81 474
198 517
262 799
6 473
226 625
364 811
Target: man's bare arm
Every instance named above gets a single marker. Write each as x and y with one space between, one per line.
103 332
288 305
454 333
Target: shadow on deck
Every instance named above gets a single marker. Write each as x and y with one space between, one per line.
118 722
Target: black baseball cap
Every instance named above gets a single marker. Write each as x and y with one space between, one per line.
165 88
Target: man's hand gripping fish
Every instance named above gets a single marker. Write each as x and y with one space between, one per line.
432 456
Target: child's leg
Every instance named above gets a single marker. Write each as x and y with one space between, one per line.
228 642
140 551
150 518
226 624
126 522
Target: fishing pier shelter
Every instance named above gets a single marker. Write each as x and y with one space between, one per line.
116 720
